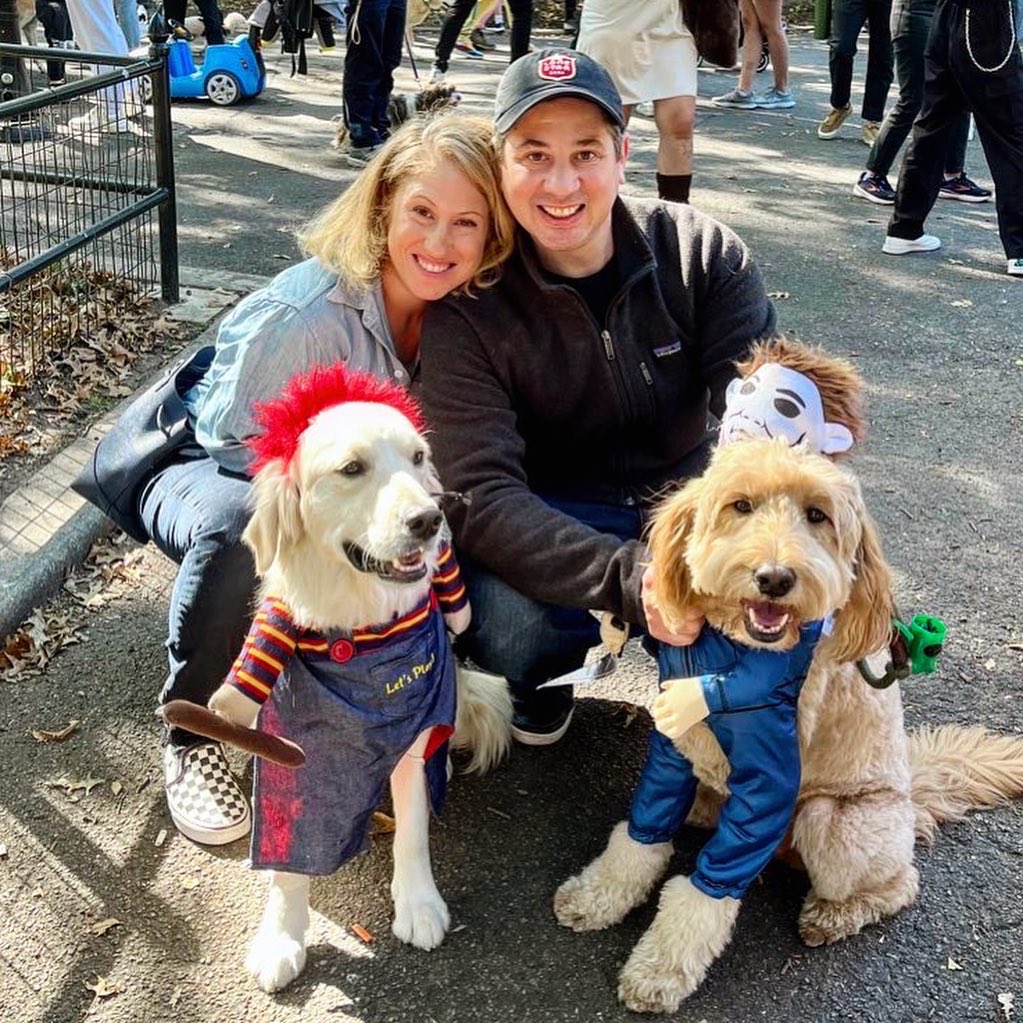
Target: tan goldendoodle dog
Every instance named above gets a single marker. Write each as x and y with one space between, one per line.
868 791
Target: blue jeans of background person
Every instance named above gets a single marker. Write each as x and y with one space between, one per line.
911 21
195 513
953 85
376 29
127 13
525 640
847 19
212 19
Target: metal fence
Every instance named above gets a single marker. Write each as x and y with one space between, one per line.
87 214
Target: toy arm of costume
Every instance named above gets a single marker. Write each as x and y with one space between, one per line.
450 592
268 647
679 706
477 447
260 343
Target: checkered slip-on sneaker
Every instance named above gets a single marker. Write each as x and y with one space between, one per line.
205 801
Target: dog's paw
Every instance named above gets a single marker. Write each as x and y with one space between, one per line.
421 920
275 960
643 986
584 905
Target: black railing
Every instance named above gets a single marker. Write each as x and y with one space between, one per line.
85 167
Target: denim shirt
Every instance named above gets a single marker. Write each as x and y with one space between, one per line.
305 316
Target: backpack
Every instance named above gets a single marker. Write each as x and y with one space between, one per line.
294 19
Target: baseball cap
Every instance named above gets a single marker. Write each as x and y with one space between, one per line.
552 74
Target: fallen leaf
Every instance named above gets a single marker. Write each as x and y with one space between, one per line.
43 735
116 788
952 964
104 925
102 987
382 823
72 785
362 934
1006 1004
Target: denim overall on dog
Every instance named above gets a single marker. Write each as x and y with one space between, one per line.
752 696
355 701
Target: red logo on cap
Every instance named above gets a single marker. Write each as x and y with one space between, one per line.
557 68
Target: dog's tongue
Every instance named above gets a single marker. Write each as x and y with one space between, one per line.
768 616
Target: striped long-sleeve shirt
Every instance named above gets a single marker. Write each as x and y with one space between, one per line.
274 638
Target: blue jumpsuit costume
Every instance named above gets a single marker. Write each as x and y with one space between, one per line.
752 696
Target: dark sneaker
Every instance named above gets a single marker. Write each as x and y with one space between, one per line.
1015 267
480 41
466 50
359 156
542 717
963 189
205 801
874 188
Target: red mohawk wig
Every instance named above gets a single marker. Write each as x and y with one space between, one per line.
306 395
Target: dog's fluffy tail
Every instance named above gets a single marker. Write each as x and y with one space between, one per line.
956 769
483 724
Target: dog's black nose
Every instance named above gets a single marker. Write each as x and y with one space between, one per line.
774 580
424 525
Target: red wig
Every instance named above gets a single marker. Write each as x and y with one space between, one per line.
283 420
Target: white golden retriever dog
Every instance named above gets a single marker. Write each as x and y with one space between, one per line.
347 534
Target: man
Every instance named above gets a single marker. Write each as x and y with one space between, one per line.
847 20
564 397
972 62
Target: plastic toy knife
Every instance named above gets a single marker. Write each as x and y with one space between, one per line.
613 634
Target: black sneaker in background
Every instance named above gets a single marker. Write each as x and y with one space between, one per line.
962 189
542 717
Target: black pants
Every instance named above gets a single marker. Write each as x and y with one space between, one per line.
212 19
376 29
911 22
53 16
847 19
522 26
954 84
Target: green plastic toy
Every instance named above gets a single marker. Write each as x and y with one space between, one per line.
923 639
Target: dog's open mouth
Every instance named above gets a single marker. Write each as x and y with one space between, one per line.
766 621
407 568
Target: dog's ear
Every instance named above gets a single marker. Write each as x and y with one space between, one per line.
276 518
863 626
670 529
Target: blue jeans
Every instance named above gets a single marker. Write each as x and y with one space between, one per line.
525 640
376 29
847 19
911 21
195 513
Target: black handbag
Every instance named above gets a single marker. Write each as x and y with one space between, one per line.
148 432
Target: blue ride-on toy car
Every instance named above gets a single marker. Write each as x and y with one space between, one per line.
229 72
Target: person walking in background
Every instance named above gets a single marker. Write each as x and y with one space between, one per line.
847 20
972 63
521 16
374 36
911 21
650 55
212 18
761 19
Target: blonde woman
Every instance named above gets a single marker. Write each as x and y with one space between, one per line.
425 218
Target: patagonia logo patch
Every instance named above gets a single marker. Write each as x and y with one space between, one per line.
673 349
557 68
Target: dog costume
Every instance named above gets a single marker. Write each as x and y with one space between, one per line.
747 695
355 702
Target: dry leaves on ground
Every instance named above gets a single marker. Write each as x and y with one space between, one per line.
26 652
112 567
102 988
59 735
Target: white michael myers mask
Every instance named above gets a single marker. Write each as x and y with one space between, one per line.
776 401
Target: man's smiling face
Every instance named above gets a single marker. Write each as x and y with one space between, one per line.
560 176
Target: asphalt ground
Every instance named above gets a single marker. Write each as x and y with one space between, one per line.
939 340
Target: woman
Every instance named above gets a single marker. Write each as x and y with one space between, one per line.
761 19
424 219
651 55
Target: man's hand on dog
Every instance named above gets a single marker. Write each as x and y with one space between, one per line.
681 632
679 706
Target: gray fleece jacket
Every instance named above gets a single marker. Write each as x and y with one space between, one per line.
528 395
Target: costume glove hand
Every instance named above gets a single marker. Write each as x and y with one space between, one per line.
234 705
679 706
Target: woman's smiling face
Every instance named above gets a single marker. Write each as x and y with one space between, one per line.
439 223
